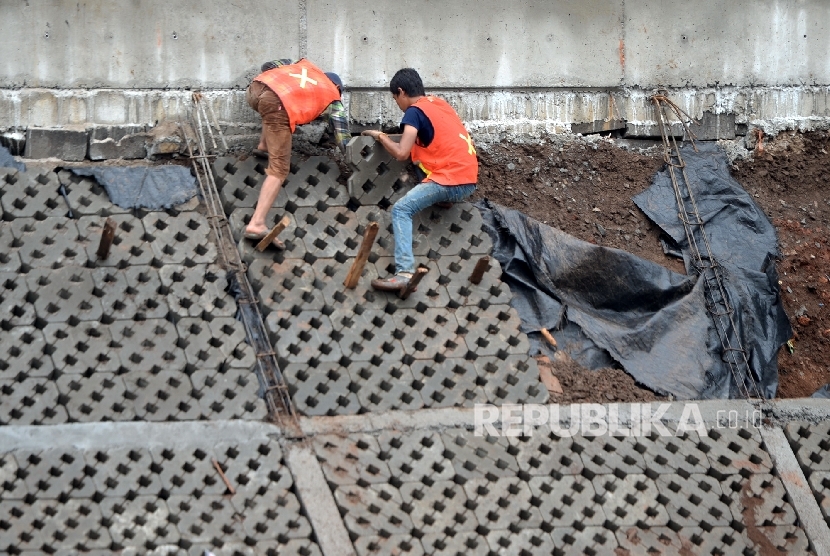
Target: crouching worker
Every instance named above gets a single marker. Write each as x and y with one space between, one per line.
436 140
287 95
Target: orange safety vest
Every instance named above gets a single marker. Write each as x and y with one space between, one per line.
450 159
303 88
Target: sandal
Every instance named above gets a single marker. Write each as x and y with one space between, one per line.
276 242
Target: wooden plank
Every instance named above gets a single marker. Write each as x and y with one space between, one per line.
413 283
107 237
275 231
482 266
369 235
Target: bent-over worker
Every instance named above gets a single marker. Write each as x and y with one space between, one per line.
287 95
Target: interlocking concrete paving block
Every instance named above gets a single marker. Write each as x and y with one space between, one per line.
662 540
33 401
124 472
416 457
281 516
502 503
425 334
148 345
371 339
373 510
543 453
467 543
494 336
215 344
187 471
405 545
567 501
328 233
759 499
381 388
608 454
384 244
476 457
9 245
377 178
55 473
14 486
86 346
525 541
24 352
134 293
43 526
98 397
811 444
694 500
676 453
275 282
324 388
356 459
197 290
820 483
711 540
16 299
64 295
302 547
255 469
315 180
300 337
446 383
630 500
731 451
140 522
331 274
87 197
437 506
164 396
183 239
47 243
239 182
130 245
454 232
204 519
232 394
514 379
28 195
584 540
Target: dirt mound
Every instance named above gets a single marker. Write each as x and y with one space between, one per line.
585 187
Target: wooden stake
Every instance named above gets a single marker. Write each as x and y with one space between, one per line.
413 282
549 337
275 231
224 478
107 237
353 277
482 266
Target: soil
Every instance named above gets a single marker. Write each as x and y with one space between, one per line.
585 188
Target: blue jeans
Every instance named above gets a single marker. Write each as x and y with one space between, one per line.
421 196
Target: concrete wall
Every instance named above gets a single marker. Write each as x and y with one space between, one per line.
526 66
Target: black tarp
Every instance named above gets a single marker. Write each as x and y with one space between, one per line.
606 306
150 187
823 392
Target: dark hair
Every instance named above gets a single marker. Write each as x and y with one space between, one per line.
408 80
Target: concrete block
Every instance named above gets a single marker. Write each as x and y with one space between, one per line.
65 144
99 397
115 132
503 503
166 138
33 401
598 126
351 460
631 500
567 501
130 147
714 126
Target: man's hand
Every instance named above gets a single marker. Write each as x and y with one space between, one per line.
372 133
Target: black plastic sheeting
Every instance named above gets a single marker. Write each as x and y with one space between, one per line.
8 161
150 187
606 307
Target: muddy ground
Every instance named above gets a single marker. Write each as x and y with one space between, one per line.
586 188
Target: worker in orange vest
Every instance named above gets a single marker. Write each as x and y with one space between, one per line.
435 139
287 95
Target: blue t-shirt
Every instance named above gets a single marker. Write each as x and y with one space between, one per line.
415 117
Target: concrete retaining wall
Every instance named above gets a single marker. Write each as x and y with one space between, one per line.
509 68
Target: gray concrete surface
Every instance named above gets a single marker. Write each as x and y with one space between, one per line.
521 70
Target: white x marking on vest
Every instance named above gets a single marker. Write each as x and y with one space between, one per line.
303 78
470 148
